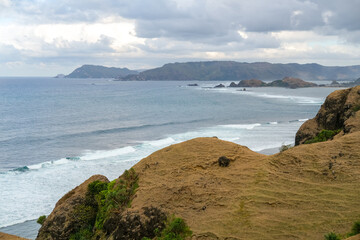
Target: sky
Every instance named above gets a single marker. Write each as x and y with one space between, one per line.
49 37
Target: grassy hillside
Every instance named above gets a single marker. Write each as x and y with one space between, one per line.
290 195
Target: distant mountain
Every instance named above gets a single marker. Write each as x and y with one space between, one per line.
230 70
93 71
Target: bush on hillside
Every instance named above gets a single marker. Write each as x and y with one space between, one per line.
331 236
41 219
323 136
355 228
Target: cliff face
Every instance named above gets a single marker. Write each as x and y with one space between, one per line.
301 193
340 111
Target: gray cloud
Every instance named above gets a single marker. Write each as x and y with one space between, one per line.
208 21
182 30
9 53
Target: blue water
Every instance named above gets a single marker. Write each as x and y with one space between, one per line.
55 133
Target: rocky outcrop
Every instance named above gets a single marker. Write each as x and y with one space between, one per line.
61 223
220 86
339 111
232 84
251 83
290 82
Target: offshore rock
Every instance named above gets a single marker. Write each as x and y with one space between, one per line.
251 83
290 82
220 86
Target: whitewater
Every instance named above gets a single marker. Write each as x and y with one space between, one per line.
56 133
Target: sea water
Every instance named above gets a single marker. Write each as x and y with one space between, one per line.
56 133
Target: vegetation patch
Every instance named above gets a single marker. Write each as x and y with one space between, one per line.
114 196
354 231
104 214
101 201
175 229
332 236
356 108
41 219
323 136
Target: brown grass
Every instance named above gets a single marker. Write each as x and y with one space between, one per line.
290 195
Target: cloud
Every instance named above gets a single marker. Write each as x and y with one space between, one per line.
146 33
9 53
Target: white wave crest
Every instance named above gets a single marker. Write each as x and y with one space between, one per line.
101 154
160 142
241 126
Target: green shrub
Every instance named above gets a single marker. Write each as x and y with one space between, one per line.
355 228
101 200
41 219
116 196
176 229
331 236
83 234
323 136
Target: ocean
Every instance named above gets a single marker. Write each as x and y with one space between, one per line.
56 133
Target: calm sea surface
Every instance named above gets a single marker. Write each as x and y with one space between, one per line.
56 133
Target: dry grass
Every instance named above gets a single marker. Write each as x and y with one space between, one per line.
291 195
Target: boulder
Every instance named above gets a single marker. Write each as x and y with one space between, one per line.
223 161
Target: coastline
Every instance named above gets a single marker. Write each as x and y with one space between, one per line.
30 228
25 230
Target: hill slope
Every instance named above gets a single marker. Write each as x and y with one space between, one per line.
92 71
229 70
301 193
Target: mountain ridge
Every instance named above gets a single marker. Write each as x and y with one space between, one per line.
232 70
97 71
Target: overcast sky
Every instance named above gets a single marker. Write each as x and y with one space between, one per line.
47 37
